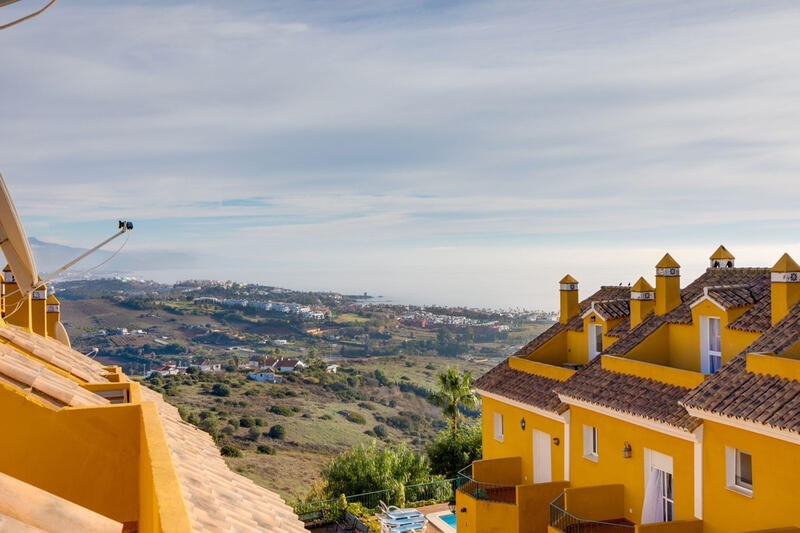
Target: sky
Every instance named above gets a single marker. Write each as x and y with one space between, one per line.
459 153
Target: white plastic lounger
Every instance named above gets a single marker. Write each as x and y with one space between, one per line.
395 513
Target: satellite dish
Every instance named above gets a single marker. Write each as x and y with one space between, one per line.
15 245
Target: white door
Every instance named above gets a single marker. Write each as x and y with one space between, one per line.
541 457
595 340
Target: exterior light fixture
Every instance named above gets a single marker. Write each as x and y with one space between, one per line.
556 441
626 450
591 318
522 423
452 505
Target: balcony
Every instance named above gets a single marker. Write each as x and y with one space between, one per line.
491 497
600 509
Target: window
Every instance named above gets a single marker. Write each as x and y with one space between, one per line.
739 471
498 427
590 443
595 340
714 345
668 503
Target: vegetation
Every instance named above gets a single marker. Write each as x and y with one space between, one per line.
230 451
451 452
369 467
277 432
454 393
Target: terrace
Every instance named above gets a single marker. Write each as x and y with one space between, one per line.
600 509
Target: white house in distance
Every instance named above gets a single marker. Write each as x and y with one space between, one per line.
265 377
331 369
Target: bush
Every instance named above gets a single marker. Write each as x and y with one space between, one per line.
210 425
356 418
277 432
263 448
230 451
234 422
254 433
326 416
229 430
368 468
247 422
259 422
449 453
281 410
220 389
380 431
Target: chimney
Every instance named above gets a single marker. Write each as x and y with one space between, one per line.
722 258
643 297
18 307
785 286
39 311
53 315
569 298
668 285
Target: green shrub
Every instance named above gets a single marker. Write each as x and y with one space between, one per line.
230 451
254 433
356 418
380 431
277 432
220 389
259 422
281 410
229 430
266 449
234 422
247 422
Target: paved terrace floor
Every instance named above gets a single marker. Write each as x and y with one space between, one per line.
333 528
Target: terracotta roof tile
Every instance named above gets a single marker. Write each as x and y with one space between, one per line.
734 392
527 388
628 394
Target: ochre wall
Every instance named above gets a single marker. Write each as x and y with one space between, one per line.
86 455
533 502
776 476
552 352
577 347
485 517
519 443
612 468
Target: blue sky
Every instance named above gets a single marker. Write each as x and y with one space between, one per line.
449 152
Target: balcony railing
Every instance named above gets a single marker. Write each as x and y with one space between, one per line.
483 491
561 520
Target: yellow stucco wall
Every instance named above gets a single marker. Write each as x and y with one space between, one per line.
519 443
476 516
612 468
776 476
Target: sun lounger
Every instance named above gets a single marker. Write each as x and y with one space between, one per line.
401 521
395 513
416 526
348 523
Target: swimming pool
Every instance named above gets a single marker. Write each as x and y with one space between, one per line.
444 520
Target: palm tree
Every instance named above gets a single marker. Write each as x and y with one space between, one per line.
454 392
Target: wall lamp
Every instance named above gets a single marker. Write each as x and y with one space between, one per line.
522 423
626 450
556 441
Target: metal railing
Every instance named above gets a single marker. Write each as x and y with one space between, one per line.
326 511
561 520
483 491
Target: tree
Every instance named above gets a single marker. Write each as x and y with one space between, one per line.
454 392
449 452
368 468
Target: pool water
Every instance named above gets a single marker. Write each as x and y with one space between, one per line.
449 519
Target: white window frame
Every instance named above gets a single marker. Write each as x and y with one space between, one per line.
660 461
594 349
706 353
732 457
498 427
590 444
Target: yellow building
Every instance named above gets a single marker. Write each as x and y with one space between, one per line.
85 449
649 408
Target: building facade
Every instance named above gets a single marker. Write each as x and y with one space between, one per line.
648 408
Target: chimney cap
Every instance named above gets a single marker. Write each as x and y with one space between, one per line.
7 268
722 253
641 285
568 279
52 300
667 262
786 264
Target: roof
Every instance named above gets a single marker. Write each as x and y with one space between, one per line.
667 262
628 394
642 285
780 337
216 498
785 264
609 309
34 380
734 392
606 293
757 279
722 253
523 387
